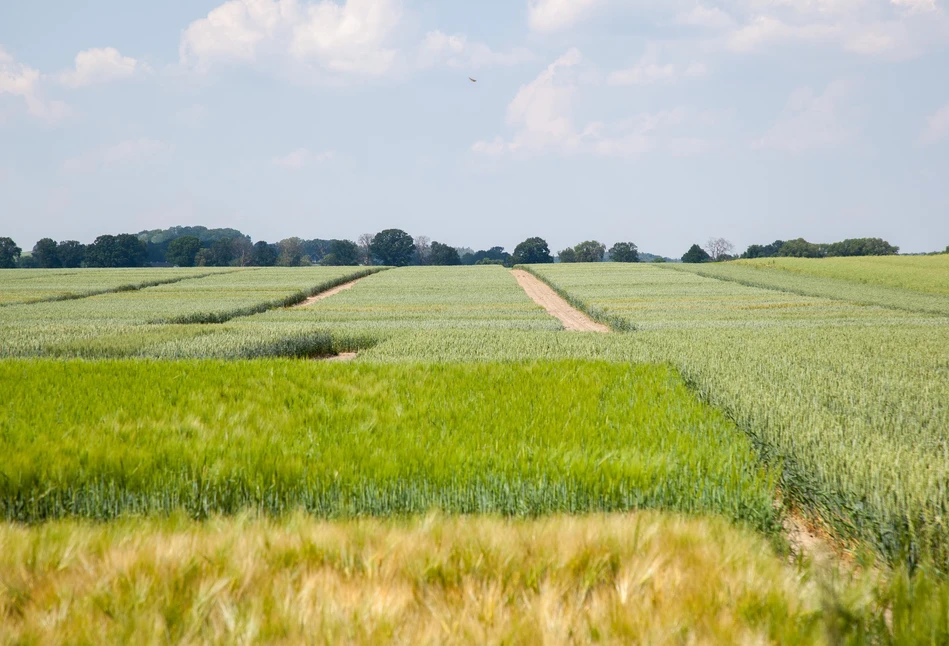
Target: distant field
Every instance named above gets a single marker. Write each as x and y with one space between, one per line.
33 285
521 439
852 401
927 274
128 322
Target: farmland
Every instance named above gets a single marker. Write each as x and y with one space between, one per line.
852 401
194 459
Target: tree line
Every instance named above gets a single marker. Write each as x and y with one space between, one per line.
719 249
202 247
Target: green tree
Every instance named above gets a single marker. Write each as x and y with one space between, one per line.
568 255
204 258
222 252
624 252
9 253
590 251
532 251
343 253
181 251
862 247
124 250
265 254
763 251
443 254
800 248
393 247
45 253
71 253
696 254
291 252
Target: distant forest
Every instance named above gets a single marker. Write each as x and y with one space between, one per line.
198 246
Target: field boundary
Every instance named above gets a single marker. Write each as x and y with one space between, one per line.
615 323
289 301
130 287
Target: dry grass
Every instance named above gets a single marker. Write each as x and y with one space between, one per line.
643 578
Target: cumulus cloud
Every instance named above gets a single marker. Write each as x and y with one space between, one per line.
302 157
103 65
23 81
554 15
812 121
541 117
130 151
456 51
706 17
348 38
937 126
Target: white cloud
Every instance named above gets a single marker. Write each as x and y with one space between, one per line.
554 15
813 121
121 154
541 117
456 51
100 66
348 38
764 31
705 17
937 127
649 71
916 6
23 81
302 157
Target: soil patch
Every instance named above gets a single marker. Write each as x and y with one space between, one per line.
328 293
572 318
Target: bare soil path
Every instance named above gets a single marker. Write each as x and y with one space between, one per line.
329 292
572 318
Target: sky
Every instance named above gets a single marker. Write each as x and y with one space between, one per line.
661 122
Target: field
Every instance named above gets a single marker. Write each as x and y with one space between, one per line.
179 469
851 401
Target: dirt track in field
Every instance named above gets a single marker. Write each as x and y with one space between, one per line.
572 318
329 292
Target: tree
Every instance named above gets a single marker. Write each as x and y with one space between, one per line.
124 250
442 254
800 248
45 253
71 253
222 252
265 254
423 247
568 255
364 240
204 258
532 251
242 252
590 251
718 247
862 247
291 252
763 251
181 251
343 253
393 247
9 253
696 254
624 252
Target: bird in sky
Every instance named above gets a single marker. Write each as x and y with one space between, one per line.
472 80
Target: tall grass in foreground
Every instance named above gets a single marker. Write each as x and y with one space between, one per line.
638 578
102 440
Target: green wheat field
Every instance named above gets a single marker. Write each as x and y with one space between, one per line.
181 463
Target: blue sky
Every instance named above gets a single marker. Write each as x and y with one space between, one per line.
661 122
